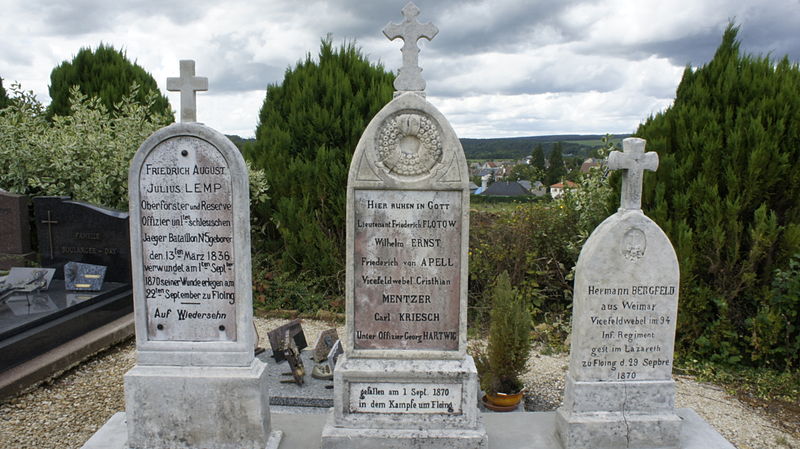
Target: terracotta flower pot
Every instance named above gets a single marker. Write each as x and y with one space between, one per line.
502 402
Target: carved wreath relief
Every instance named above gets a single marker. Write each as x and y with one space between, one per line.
409 144
634 244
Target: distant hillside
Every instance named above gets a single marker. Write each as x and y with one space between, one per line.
238 141
515 147
519 147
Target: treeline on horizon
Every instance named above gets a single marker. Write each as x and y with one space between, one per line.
572 145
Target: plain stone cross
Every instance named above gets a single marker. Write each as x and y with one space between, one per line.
634 161
187 85
409 77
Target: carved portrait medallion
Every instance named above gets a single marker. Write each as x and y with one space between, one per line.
634 244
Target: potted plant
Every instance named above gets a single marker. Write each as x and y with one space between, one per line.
503 361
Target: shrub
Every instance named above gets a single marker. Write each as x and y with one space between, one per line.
506 355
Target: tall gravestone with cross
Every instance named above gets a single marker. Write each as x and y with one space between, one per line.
405 379
196 383
619 389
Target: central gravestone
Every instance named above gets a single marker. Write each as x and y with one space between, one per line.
619 390
405 379
196 383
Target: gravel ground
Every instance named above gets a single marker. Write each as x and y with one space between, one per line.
67 410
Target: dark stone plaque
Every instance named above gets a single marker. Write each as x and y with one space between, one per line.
407 269
74 231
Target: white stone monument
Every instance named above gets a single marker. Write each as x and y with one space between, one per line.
196 383
619 389
405 379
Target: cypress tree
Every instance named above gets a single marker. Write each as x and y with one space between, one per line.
308 128
105 73
556 169
726 193
538 157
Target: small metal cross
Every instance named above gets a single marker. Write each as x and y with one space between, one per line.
50 222
409 78
188 85
634 161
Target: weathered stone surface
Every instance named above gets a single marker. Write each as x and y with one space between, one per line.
191 249
196 383
405 380
197 407
619 389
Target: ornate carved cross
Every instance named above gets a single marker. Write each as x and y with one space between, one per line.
188 85
409 77
634 161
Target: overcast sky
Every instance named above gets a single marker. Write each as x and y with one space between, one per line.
498 68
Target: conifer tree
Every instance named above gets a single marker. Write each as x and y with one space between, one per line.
537 159
726 194
555 169
308 128
105 73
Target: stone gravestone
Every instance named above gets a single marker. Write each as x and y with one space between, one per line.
15 233
74 231
619 389
405 379
196 383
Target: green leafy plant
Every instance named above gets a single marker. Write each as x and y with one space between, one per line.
506 355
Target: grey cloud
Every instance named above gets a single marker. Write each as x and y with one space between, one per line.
76 17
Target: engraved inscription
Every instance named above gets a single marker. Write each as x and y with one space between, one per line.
631 329
187 242
407 271
405 397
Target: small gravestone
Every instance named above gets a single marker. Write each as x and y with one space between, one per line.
619 389
324 344
196 383
15 239
277 339
83 277
75 231
405 380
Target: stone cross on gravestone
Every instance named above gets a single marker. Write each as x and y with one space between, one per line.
409 77
634 161
188 84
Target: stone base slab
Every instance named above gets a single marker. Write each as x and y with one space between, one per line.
348 438
649 396
505 431
186 407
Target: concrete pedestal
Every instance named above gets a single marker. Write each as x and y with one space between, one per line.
412 394
183 407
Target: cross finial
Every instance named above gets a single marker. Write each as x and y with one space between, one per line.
187 85
634 161
409 77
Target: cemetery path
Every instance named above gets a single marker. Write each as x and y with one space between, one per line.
65 411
